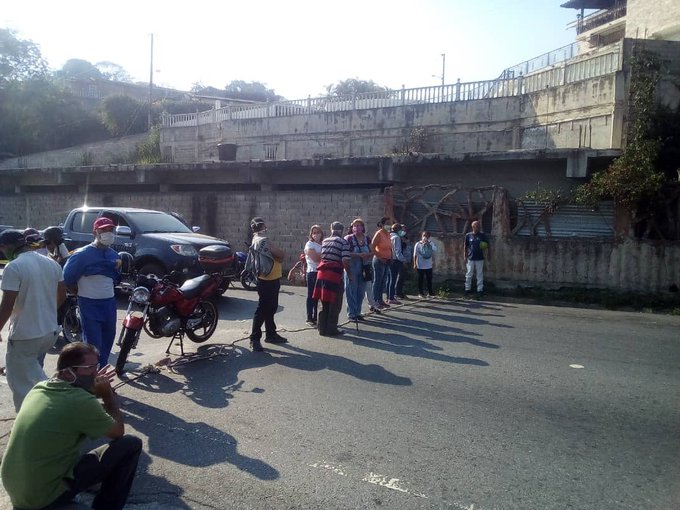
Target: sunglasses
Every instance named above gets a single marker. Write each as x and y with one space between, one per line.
94 365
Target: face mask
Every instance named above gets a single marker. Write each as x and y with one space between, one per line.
358 229
386 227
85 382
401 233
106 238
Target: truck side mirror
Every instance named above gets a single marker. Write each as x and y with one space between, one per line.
124 231
195 228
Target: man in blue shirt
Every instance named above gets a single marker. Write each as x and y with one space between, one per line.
92 272
475 248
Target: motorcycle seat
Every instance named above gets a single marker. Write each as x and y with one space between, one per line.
193 287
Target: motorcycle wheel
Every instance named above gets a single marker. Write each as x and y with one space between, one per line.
209 325
71 326
248 280
125 346
147 330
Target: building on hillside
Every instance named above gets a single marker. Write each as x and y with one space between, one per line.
97 89
614 20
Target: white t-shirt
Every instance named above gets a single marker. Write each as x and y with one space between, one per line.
311 265
422 262
36 278
96 286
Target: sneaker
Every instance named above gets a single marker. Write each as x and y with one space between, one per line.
276 339
394 302
374 309
256 346
311 323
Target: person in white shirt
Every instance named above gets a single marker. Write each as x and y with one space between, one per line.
312 258
423 262
32 290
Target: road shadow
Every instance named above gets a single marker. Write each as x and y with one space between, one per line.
399 326
195 444
204 382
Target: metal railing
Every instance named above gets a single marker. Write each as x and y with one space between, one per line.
599 18
542 61
599 65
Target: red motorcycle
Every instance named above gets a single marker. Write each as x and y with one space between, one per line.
164 308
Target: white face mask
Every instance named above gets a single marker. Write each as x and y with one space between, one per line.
106 238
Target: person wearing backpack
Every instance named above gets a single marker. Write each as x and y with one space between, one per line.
264 258
423 262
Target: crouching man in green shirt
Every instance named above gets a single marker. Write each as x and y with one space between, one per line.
43 466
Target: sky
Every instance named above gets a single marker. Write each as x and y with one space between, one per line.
296 47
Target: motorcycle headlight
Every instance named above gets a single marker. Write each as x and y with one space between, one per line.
184 249
141 295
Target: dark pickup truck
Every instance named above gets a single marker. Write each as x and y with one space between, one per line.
159 242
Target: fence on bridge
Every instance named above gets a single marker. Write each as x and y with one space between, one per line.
560 74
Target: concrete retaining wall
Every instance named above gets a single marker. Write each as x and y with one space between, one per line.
644 266
579 114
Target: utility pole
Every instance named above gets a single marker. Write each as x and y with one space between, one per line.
443 68
150 82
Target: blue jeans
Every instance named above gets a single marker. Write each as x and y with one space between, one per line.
312 304
395 269
380 273
355 290
98 318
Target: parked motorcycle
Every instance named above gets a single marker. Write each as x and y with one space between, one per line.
69 319
231 266
167 309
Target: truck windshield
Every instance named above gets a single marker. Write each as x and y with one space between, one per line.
148 222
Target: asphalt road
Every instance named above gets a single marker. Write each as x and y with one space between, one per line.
435 404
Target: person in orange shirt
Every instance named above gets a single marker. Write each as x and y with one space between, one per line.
382 246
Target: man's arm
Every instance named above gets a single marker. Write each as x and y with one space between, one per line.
6 306
102 389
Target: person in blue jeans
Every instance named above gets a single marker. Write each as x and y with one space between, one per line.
312 258
398 260
360 255
382 250
91 273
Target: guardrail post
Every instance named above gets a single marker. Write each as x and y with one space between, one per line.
403 95
458 89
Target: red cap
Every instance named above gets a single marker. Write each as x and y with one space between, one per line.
102 223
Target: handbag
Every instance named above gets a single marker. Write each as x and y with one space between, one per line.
367 272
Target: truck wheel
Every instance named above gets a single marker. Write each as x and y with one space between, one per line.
152 269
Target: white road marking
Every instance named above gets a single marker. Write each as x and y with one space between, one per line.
576 366
390 483
324 465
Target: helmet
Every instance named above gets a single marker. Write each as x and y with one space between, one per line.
53 235
127 262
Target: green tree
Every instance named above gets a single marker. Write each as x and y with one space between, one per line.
353 86
113 72
123 115
20 60
79 69
251 91
633 177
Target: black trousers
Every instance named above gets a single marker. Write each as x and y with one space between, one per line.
113 465
327 320
268 303
425 274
